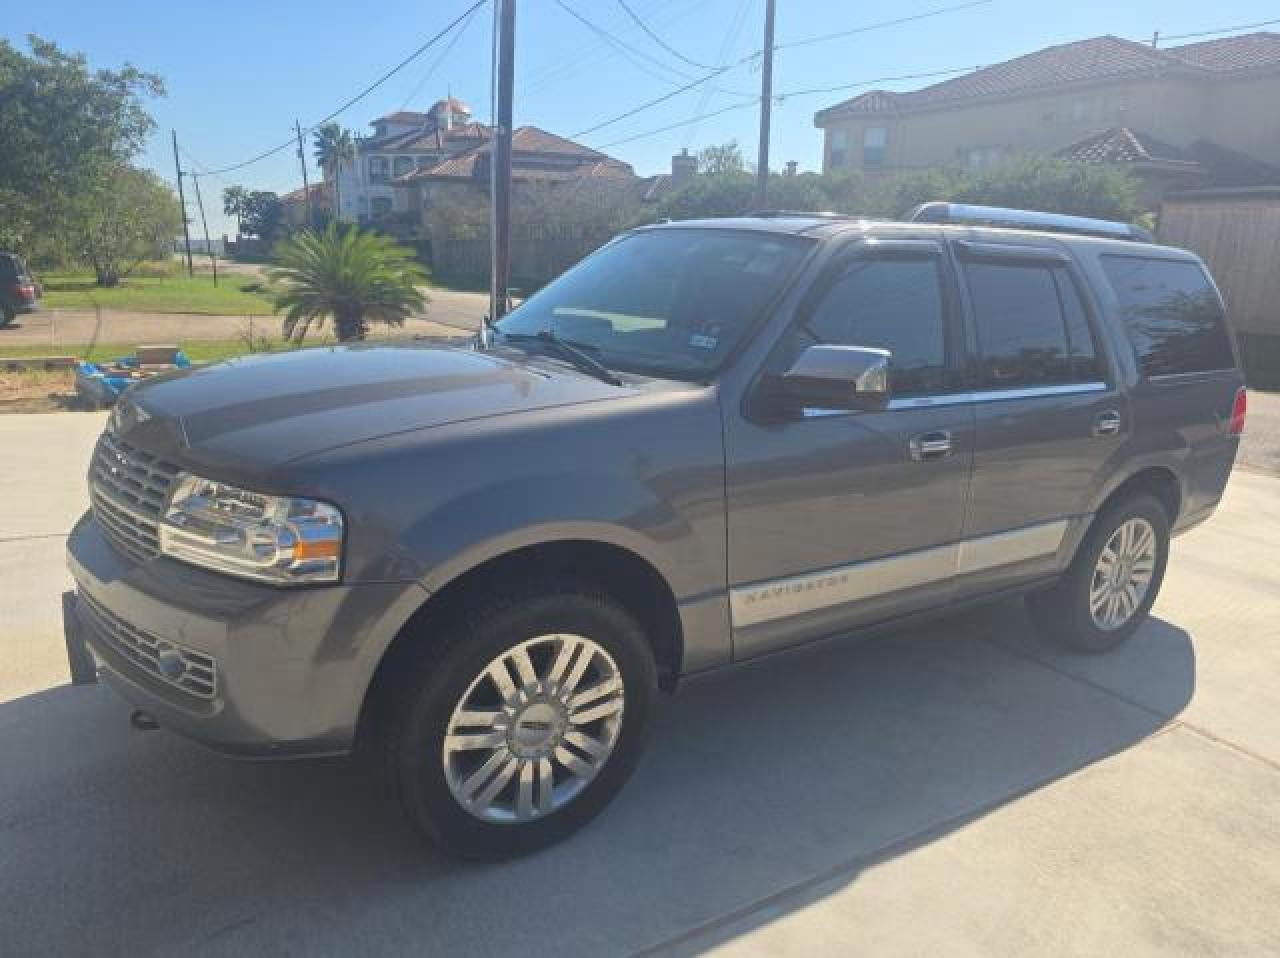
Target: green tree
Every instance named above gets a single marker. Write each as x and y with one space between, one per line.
129 216
262 214
722 158
352 276
335 148
66 130
233 204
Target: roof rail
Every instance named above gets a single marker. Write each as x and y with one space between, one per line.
963 213
803 214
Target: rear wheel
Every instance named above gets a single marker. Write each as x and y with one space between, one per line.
7 315
1113 581
523 722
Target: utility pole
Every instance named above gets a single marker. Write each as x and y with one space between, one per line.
205 223
186 234
504 21
766 109
306 188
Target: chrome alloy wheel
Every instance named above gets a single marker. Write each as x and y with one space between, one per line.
533 729
1123 574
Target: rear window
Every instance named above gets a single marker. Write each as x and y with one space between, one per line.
1172 314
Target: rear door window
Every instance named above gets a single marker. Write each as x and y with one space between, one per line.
1031 326
1172 315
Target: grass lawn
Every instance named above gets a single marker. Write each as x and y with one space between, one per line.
234 295
198 351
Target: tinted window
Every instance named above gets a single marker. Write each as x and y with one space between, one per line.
9 268
1171 313
893 304
672 302
1032 328
1085 366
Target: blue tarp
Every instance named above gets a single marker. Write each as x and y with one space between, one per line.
97 384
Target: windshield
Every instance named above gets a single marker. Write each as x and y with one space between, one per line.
668 302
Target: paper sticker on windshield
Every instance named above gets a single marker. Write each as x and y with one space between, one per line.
703 341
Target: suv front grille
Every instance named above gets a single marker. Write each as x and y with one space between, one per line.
193 672
128 489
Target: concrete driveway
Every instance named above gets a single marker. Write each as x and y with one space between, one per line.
957 789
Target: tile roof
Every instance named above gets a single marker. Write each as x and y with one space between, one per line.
405 117
529 140
1212 165
1248 51
1120 144
1098 58
319 192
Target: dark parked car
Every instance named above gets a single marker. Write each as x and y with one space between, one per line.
19 292
707 442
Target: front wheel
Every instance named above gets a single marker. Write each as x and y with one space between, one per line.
525 721
1113 581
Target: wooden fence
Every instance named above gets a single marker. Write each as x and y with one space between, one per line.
1237 233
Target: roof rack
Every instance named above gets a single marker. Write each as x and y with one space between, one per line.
963 213
799 214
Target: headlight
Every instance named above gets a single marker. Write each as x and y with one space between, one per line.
278 539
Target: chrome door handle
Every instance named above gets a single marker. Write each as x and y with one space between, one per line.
1106 423
931 445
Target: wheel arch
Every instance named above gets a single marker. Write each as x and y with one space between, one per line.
633 580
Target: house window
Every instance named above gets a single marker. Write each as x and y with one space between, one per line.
402 165
381 205
839 147
873 141
377 167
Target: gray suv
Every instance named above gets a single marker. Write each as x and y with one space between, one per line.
478 562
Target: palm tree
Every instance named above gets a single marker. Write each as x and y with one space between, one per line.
334 149
233 204
352 275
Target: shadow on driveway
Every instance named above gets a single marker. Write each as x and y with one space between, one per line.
759 780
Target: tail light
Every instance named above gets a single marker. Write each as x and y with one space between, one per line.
25 291
1238 409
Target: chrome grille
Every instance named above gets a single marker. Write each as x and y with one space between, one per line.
192 672
127 489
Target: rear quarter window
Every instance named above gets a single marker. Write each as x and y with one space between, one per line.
1171 313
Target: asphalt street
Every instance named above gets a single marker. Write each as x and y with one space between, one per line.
958 789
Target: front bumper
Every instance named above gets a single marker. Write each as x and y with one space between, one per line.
272 672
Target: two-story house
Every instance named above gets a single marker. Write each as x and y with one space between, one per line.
1184 113
401 143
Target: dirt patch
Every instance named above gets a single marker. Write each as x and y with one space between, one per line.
39 390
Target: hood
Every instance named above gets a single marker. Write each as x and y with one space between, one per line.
271 409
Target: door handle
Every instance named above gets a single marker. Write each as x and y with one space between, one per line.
931 445
1106 423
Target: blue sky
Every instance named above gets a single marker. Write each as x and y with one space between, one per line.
239 72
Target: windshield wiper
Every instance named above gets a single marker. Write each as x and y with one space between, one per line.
567 349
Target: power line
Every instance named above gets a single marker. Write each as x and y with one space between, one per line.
867 28
444 55
359 96
626 48
747 59
1211 33
650 103
730 38
779 97
659 41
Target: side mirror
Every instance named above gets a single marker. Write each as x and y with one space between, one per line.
835 377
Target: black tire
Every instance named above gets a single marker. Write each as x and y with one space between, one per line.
7 315
1062 613
471 638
